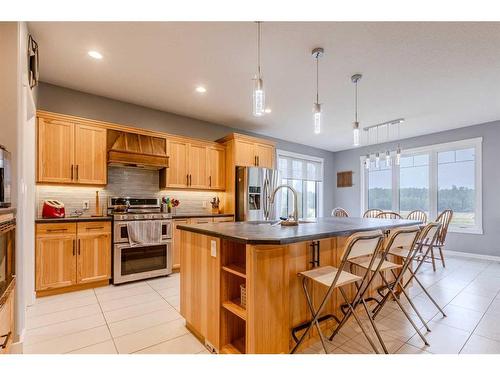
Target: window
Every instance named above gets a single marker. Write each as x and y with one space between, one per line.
380 186
431 179
305 174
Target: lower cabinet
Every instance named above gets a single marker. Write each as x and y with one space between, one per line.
71 254
176 256
7 320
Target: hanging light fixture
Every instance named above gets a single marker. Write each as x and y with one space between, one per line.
355 125
259 100
367 159
388 157
398 151
317 53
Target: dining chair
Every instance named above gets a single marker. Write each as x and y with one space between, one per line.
444 218
371 213
417 215
388 215
339 212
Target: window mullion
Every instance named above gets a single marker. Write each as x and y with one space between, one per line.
395 187
433 185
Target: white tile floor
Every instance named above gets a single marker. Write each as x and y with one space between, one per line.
144 317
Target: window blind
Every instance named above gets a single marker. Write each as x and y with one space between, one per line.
300 169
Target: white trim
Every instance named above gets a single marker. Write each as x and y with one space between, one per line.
320 200
299 156
472 255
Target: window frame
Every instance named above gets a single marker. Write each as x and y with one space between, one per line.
319 196
432 151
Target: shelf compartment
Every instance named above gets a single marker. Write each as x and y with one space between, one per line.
235 307
236 269
235 347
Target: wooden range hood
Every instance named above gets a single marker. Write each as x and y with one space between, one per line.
136 150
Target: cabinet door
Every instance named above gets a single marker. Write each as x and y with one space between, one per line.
94 252
216 166
197 160
56 141
176 255
265 155
90 155
244 153
177 173
55 261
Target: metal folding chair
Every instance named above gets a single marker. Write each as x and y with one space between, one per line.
362 244
399 238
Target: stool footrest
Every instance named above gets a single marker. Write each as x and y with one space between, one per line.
307 323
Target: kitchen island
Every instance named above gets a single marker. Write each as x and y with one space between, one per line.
218 260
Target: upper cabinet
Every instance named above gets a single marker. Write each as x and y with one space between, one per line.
70 153
193 165
249 151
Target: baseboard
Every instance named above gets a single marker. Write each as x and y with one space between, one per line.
472 255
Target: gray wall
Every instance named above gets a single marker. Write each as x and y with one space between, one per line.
489 242
58 99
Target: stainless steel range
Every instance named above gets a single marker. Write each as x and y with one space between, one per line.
134 260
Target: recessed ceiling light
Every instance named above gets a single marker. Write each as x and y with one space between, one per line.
201 89
96 55
267 110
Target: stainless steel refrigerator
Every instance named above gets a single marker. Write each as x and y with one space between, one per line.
253 188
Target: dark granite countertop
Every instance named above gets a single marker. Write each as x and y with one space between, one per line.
263 233
71 219
186 216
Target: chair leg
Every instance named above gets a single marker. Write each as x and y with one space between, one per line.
404 311
311 308
374 326
358 320
433 259
442 256
428 295
415 309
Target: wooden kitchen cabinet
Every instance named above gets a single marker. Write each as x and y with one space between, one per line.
7 319
71 153
265 154
69 256
250 151
193 165
216 168
244 153
90 155
55 256
56 154
176 253
94 252
198 173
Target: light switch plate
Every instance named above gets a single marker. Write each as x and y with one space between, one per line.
213 248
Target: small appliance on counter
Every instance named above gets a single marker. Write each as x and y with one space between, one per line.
53 209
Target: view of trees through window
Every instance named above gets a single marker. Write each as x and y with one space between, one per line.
307 198
454 181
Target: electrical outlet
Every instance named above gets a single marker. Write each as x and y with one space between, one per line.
204 204
213 248
86 204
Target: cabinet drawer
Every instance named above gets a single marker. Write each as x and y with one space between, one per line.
223 219
55 229
94 227
200 220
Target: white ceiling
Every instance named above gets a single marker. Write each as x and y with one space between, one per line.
436 75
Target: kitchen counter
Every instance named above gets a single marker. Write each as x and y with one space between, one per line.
264 233
69 219
187 216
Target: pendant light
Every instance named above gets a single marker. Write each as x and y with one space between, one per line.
259 100
388 157
355 125
398 151
317 53
367 159
377 155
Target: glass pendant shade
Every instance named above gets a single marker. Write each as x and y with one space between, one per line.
259 103
367 162
388 158
398 156
355 133
317 118
377 160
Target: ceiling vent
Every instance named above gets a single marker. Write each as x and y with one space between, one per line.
136 150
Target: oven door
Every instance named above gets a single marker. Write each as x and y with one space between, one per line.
133 263
121 233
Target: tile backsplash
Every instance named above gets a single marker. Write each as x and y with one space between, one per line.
125 182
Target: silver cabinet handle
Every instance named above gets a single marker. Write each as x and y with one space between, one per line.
74 246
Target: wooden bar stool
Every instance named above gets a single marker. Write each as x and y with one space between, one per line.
362 244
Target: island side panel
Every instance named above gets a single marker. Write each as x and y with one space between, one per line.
268 319
200 286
